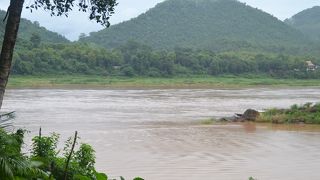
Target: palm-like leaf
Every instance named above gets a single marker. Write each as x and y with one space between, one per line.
24 168
10 168
12 162
5 169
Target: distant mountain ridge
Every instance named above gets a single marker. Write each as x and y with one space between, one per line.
201 24
27 28
308 22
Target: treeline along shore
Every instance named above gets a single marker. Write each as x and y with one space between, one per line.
137 60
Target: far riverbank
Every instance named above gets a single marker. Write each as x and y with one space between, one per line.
148 82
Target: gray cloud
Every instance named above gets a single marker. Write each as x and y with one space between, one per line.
78 22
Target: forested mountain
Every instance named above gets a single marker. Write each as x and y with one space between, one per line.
202 24
308 22
28 28
176 38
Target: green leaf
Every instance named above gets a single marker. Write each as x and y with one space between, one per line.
101 176
5 170
80 177
138 178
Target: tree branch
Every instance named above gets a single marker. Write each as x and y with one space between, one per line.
70 155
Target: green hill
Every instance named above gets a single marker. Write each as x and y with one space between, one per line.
219 25
308 22
27 28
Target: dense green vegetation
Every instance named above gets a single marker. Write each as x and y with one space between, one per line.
14 164
308 113
46 162
308 22
191 41
260 45
133 59
216 25
28 28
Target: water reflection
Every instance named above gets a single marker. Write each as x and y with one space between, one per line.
249 127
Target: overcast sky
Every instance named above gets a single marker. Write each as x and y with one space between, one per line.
78 22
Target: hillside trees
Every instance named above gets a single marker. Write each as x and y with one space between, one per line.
134 59
308 22
100 11
28 28
224 25
35 40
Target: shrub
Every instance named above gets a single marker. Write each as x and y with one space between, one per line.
45 161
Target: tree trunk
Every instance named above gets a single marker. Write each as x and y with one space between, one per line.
9 41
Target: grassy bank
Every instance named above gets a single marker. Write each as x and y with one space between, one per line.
136 82
308 113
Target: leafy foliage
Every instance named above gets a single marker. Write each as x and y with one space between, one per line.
13 164
44 148
45 162
82 161
138 178
100 11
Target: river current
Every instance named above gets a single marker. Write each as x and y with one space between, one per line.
157 134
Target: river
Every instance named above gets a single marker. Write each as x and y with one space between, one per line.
157 134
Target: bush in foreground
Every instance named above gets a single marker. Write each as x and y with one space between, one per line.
46 162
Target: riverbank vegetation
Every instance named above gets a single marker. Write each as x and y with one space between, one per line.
137 60
308 113
93 81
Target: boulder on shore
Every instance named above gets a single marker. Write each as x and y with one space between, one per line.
250 115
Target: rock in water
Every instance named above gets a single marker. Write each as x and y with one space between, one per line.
250 115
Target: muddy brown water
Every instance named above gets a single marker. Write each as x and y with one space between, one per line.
157 134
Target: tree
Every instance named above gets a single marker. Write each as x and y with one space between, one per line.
82 36
35 39
36 23
99 10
